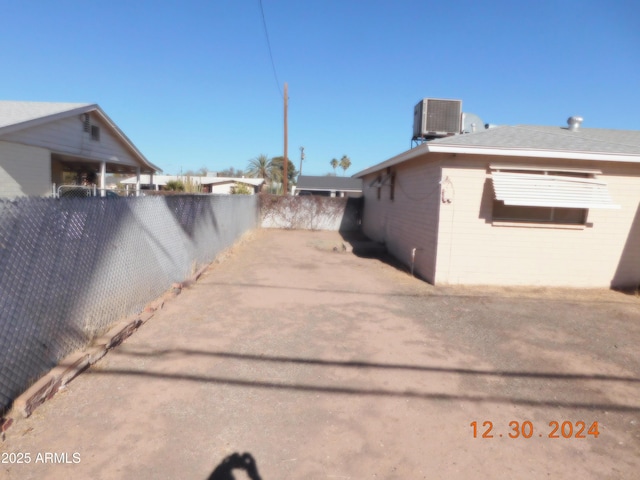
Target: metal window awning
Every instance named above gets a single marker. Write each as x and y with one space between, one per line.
539 190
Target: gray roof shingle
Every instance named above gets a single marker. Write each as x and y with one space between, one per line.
14 113
542 141
342 184
592 140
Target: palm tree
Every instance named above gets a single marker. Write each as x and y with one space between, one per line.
260 167
334 164
345 162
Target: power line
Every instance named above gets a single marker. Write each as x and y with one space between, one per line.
266 34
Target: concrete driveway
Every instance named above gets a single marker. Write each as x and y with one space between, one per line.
324 365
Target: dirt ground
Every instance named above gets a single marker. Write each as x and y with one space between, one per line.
325 365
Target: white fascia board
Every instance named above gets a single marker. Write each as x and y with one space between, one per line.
512 152
494 151
403 157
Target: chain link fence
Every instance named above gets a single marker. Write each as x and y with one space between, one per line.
71 267
83 191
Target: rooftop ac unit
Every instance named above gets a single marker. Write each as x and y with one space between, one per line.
433 117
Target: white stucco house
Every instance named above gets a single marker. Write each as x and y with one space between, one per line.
512 205
41 140
208 184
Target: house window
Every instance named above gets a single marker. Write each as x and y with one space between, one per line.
95 133
558 196
517 213
379 183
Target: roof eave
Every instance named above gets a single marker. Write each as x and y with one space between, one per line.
538 153
403 157
426 148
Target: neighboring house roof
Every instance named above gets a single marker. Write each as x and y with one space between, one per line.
146 179
329 183
256 182
16 116
163 179
532 141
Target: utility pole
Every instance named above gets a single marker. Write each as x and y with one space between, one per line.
301 159
285 163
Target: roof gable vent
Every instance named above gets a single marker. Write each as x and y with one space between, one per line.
86 122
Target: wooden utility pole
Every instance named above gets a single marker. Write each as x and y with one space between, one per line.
285 162
301 159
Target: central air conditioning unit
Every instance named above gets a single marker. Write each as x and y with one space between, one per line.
434 117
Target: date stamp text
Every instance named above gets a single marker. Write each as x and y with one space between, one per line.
17 458
526 429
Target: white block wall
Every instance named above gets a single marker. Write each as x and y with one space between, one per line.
472 250
451 226
411 219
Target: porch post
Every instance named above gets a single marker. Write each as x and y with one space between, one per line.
103 173
137 181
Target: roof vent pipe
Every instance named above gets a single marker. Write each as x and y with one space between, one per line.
574 123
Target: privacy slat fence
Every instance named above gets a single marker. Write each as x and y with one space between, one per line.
70 268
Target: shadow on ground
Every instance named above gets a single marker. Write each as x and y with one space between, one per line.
245 462
364 247
378 392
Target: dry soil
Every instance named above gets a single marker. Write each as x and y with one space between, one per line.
325 365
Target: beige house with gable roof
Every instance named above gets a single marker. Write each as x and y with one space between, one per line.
41 140
512 205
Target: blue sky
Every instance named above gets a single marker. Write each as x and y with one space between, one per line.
192 85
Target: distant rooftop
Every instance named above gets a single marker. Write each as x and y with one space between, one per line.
329 183
198 180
